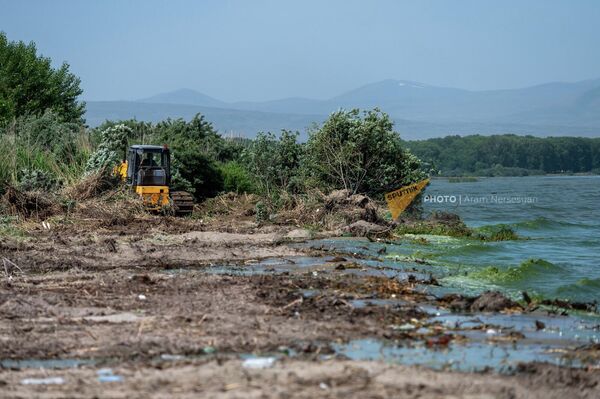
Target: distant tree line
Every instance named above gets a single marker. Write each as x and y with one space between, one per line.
508 155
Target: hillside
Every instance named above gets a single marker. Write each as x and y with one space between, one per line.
420 110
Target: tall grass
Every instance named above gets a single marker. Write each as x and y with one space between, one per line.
19 153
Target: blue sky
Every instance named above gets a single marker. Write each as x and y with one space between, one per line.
261 50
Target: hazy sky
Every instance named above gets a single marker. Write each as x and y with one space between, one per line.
260 50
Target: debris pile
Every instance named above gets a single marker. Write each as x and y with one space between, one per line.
353 213
92 185
232 204
29 204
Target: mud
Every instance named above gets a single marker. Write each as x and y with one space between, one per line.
140 297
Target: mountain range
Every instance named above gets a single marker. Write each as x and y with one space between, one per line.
419 110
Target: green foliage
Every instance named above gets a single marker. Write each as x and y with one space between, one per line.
37 180
42 145
198 132
196 173
30 86
509 155
47 132
140 132
262 212
9 227
360 153
196 150
236 178
275 162
111 150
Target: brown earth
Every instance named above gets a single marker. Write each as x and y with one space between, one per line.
131 294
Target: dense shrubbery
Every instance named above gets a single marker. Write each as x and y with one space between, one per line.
42 149
509 155
274 162
354 151
351 150
41 133
199 153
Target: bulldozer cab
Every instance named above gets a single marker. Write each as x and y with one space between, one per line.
148 165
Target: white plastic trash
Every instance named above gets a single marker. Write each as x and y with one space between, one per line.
43 381
259 362
106 375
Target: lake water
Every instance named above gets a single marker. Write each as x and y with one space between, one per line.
558 216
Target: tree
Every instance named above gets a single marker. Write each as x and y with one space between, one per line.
30 86
360 153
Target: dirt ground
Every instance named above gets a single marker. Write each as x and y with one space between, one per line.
142 298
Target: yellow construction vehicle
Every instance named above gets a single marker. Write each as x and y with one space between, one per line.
147 169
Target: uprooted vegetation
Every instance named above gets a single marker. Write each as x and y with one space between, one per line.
95 197
340 211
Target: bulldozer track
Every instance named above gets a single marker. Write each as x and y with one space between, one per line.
183 202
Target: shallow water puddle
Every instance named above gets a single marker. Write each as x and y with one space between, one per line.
473 356
563 330
46 363
303 264
258 267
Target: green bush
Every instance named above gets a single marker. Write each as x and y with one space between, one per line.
261 212
197 150
178 133
236 178
196 173
37 180
111 149
275 162
360 153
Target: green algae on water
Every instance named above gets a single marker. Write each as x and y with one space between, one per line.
529 269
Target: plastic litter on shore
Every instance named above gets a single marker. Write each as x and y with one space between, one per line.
43 381
259 362
106 375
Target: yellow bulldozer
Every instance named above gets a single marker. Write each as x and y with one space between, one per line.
147 169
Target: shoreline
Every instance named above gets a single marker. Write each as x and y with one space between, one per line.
199 299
